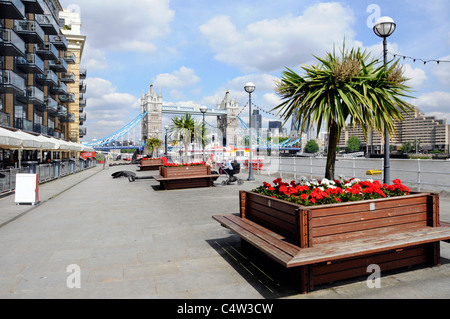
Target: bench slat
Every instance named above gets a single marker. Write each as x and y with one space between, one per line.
265 240
369 245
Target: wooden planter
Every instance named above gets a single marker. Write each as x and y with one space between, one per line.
329 228
185 177
150 164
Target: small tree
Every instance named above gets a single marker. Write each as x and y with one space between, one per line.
153 144
353 145
311 147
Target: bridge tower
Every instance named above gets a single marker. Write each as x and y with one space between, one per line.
152 122
229 123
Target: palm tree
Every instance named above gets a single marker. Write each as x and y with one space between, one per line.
342 89
153 144
187 130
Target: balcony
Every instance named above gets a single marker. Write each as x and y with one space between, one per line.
48 23
83 118
70 58
69 118
59 65
82 87
40 129
32 64
83 131
34 6
59 41
83 103
49 78
30 31
23 124
59 89
62 111
10 82
47 51
5 119
33 96
67 98
83 74
12 9
11 44
51 106
80 110
68 77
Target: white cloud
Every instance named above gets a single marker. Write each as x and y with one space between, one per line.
434 101
416 76
272 44
442 71
125 26
184 77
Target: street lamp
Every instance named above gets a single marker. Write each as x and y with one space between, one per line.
384 27
250 88
203 109
165 150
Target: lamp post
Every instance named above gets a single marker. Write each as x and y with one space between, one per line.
384 27
165 140
250 88
203 109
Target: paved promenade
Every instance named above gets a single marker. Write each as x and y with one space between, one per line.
131 240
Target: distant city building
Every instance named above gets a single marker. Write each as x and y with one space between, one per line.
256 120
431 133
229 124
151 125
273 125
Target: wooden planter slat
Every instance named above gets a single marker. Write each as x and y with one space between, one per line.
185 177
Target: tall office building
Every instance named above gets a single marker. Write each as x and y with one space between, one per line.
34 69
256 120
76 42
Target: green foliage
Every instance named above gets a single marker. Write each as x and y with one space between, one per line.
311 147
340 89
153 144
353 145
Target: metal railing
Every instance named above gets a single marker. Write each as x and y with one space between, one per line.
45 172
415 173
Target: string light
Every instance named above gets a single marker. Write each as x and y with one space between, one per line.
425 61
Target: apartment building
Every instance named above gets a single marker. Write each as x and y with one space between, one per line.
431 133
38 80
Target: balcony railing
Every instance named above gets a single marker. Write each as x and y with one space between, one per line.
48 23
48 78
40 129
83 103
23 124
68 77
62 111
12 9
10 82
30 64
47 51
83 117
83 74
59 65
67 98
83 87
51 106
59 41
83 131
59 89
5 119
11 44
70 58
34 96
29 30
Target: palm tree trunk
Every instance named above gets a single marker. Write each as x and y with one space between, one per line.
332 146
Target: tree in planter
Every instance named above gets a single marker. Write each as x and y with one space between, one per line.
311 147
153 144
353 145
187 130
340 89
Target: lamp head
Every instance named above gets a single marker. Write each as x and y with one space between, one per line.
250 87
384 27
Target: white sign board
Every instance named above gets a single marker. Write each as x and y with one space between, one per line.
27 189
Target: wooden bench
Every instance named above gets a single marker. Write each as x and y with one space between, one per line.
150 164
185 177
335 242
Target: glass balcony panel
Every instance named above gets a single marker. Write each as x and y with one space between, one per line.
48 23
11 44
12 9
83 74
59 65
10 82
51 106
49 78
29 30
47 51
83 87
23 124
5 119
68 77
70 58
59 41
30 64
67 98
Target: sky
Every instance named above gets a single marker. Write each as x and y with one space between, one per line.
193 51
